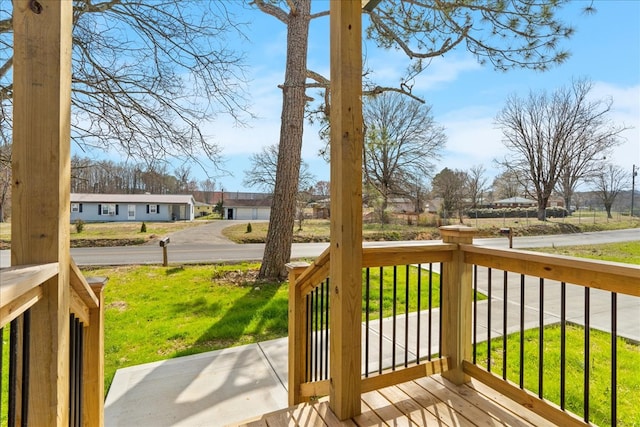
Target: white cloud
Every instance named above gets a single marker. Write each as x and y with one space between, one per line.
389 68
472 138
625 111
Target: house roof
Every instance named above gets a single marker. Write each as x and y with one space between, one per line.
518 200
132 198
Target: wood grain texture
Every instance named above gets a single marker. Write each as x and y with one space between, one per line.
346 207
40 191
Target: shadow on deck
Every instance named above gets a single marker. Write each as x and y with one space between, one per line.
423 402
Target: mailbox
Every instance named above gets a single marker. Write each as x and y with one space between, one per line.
164 242
507 231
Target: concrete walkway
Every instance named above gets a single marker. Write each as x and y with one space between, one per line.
231 385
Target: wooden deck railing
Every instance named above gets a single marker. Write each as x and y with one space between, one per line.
20 290
408 268
448 341
560 293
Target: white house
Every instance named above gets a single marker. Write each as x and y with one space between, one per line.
515 202
247 209
131 207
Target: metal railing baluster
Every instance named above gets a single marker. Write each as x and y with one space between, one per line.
541 342
521 379
418 308
614 358
366 329
563 343
587 351
504 327
406 317
489 320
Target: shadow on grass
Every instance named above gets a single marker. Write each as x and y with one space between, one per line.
254 317
173 270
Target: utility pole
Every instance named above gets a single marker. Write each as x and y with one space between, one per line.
634 173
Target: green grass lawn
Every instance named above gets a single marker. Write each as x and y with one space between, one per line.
599 374
627 252
154 313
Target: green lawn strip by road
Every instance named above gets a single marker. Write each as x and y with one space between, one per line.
628 378
627 252
318 230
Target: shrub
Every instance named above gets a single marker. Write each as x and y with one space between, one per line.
79 226
143 227
249 227
553 212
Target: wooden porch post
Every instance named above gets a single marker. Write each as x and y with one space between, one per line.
41 174
346 207
456 304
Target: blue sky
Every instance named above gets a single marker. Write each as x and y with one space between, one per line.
464 95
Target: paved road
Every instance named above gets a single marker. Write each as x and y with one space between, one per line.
204 244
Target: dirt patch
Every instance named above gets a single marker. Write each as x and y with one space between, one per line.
236 277
101 243
118 305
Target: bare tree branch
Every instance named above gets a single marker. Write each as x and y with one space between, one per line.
147 76
554 136
271 9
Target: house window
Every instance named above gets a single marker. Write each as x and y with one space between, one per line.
108 209
152 208
75 207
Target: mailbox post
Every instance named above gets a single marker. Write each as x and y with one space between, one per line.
508 231
164 242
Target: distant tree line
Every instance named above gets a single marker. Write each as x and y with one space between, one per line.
106 176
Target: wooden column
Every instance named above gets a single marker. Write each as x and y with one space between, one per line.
346 207
41 174
93 359
456 304
297 333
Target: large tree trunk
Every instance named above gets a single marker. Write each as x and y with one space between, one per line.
542 208
607 207
283 207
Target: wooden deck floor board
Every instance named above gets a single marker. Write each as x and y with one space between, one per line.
408 406
522 412
431 401
386 410
479 414
439 409
499 415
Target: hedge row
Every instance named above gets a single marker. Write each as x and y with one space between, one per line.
555 212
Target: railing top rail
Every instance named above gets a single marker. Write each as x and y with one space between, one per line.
20 288
378 256
80 285
18 280
605 275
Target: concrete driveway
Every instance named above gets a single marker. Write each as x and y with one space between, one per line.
210 233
